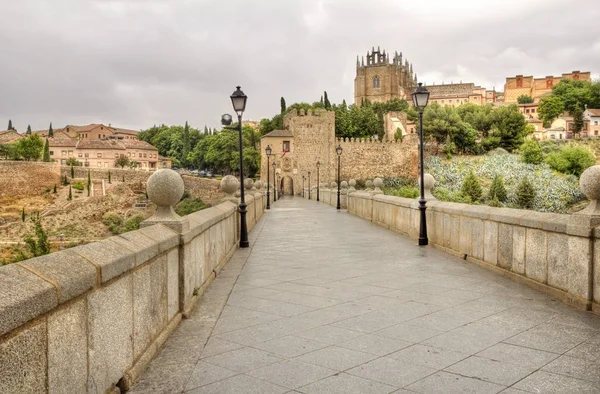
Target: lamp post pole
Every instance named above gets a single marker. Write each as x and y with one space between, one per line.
318 191
303 178
274 181
339 153
309 185
420 98
268 152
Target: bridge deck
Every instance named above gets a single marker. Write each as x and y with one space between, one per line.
325 302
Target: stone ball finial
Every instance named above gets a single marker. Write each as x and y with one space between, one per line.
352 182
258 184
589 183
248 183
428 184
229 184
378 182
344 184
369 184
334 185
165 187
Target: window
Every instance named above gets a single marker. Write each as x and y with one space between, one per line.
552 136
87 164
99 155
63 153
70 153
595 133
286 146
87 155
533 110
51 153
144 155
99 136
595 123
80 155
106 165
116 155
99 164
140 155
376 83
526 111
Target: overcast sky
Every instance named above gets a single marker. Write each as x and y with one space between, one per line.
134 63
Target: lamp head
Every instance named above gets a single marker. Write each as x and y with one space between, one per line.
226 119
338 150
420 97
268 150
238 99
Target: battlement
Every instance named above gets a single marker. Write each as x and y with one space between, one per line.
377 58
410 139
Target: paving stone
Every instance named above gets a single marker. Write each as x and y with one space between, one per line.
240 384
552 337
447 383
429 356
205 373
336 358
391 371
575 367
243 360
290 346
373 344
329 334
518 355
545 382
406 332
490 370
291 373
217 346
347 384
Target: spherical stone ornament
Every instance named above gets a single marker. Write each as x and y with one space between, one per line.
344 184
589 183
352 182
429 181
229 184
248 183
258 184
378 182
165 187
369 183
333 185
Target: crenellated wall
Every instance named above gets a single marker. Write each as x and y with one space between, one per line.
89 318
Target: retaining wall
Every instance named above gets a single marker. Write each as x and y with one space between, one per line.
89 318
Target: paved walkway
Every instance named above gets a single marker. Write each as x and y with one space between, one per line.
325 302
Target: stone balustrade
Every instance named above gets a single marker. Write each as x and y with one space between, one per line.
90 318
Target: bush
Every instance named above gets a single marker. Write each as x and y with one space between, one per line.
571 160
189 205
471 187
549 146
444 194
531 152
116 225
497 189
133 223
394 183
525 194
404 191
78 185
71 161
112 218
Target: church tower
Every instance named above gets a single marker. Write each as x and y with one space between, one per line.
383 77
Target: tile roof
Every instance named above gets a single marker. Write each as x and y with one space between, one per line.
137 144
125 131
100 144
9 136
279 133
62 142
594 111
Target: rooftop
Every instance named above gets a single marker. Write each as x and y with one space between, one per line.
279 133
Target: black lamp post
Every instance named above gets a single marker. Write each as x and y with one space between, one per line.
274 181
318 191
268 152
303 178
238 99
338 150
309 185
420 97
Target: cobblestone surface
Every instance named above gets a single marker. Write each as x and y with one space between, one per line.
325 302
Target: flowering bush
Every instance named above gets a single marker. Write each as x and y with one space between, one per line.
555 192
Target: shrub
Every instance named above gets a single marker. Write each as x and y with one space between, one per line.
571 160
54 189
444 194
495 203
70 197
394 182
531 152
112 218
404 191
525 194
549 146
133 223
497 189
71 161
471 187
189 205
38 244
78 185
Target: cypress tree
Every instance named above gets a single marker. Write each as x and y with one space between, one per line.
497 189
10 125
28 129
50 131
327 103
72 172
525 194
205 130
70 194
283 106
322 100
23 215
89 183
46 156
471 187
55 188
109 177
123 178
186 144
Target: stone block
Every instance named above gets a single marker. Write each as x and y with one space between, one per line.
490 243
112 258
110 334
188 273
558 260
505 245
73 274
23 296
455 232
535 255
580 262
67 349
23 361
144 248
477 238
438 228
447 230
166 237
465 235
518 248
172 283
596 270
149 304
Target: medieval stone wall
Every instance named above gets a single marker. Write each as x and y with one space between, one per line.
454 88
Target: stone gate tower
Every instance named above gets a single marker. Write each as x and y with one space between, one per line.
380 79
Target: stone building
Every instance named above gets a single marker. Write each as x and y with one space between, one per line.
309 138
537 88
455 94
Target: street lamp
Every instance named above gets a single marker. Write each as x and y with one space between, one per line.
309 185
238 100
338 150
303 178
274 182
420 97
268 152
318 165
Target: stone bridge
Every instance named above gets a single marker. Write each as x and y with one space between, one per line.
323 301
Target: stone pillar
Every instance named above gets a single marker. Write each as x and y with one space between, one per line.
378 183
165 188
589 183
429 184
344 194
229 185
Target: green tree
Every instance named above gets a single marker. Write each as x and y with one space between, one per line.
28 129
472 187
571 160
438 122
54 191
186 145
10 126
50 131
46 155
326 103
497 189
71 161
72 172
38 244
109 177
478 116
122 161
89 183
465 138
524 99
30 147
70 197
578 121
23 215
510 126
531 152
283 106
574 93
9 151
525 194
550 108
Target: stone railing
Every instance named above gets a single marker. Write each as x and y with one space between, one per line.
554 253
90 318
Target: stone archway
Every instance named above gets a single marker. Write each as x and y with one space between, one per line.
287 186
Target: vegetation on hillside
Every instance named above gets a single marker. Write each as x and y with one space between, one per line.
569 96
